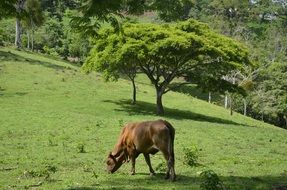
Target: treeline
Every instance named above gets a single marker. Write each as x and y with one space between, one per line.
44 26
262 26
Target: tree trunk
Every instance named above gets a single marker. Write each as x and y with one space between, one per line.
32 40
226 101
209 97
19 8
134 91
28 39
245 106
262 112
18 33
230 104
159 106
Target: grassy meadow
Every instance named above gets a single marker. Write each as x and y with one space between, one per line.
57 126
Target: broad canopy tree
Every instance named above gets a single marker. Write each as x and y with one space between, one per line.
164 52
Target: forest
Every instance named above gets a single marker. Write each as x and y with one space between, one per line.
68 29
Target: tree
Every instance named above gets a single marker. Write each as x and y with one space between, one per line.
271 97
164 52
96 12
7 8
172 10
53 37
19 14
35 18
125 63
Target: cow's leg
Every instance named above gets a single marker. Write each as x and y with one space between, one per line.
169 157
133 171
166 156
170 173
134 155
147 159
171 166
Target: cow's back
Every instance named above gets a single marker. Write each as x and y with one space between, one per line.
146 135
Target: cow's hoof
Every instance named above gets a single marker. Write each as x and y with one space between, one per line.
152 174
133 173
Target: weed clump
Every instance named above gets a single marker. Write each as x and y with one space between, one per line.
45 172
161 167
191 156
81 148
210 181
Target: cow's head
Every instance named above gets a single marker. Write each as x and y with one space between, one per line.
113 163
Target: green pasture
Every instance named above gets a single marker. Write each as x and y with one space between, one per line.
57 126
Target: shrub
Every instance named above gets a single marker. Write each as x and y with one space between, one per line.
191 156
210 181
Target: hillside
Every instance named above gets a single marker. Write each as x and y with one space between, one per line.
57 126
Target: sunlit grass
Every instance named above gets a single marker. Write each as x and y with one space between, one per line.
57 126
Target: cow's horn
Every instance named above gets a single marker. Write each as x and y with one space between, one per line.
112 157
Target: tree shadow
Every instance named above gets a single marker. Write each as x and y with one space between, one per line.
9 56
194 91
144 181
146 108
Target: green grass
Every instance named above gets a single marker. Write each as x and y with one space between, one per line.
57 125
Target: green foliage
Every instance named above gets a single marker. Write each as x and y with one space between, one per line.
262 26
7 8
270 97
210 181
58 8
7 30
54 33
44 172
35 17
96 12
191 156
174 10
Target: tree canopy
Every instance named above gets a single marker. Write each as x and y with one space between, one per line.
7 8
95 12
164 52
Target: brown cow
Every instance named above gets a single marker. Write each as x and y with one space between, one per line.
144 137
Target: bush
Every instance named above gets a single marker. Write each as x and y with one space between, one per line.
210 181
191 156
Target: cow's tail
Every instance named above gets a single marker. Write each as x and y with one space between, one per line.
172 134
171 150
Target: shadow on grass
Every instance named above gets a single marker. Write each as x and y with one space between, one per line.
188 182
194 91
8 56
146 108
